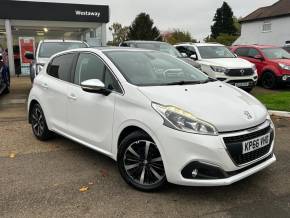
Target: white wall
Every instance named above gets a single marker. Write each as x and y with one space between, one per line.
252 32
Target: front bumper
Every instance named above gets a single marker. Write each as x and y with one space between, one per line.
285 79
179 149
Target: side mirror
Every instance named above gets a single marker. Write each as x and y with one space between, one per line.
235 55
29 55
194 57
259 57
95 86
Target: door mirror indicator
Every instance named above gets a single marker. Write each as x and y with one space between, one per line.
95 86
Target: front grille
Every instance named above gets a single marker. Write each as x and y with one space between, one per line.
235 147
240 72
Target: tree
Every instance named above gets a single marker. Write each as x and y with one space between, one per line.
119 33
180 36
225 39
223 22
143 28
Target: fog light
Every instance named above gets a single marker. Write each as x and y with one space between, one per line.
285 77
194 173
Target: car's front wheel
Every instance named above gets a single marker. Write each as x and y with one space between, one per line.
269 80
38 123
140 162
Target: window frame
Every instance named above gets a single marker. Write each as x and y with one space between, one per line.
267 23
104 62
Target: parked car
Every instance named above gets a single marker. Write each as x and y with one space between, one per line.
4 78
158 117
47 48
273 63
219 62
286 48
162 47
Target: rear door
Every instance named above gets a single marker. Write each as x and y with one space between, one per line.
55 87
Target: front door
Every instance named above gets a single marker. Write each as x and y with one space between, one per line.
91 115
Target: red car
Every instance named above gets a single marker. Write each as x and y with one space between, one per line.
273 63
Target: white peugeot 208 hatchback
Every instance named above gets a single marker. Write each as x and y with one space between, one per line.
158 117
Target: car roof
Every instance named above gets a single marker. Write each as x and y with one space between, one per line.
199 44
60 40
256 46
103 49
144 41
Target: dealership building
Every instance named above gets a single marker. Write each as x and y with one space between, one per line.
46 20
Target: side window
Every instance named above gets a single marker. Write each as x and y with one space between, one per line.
243 52
191 50
60 67
253 52
89 66
181 49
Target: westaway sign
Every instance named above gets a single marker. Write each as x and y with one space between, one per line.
24 10
88 13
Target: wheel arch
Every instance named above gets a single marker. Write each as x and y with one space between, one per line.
129 127
31 104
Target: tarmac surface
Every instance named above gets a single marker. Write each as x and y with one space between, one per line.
61 178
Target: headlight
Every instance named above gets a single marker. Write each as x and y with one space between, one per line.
179 119
284 66
218 69
270 120
254 68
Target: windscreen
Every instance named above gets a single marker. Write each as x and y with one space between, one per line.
276 53
163 47
210 52
147 68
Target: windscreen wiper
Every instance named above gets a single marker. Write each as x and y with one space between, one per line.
209 79
183 82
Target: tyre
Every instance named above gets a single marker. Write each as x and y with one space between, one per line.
38 123
269 80
248 89
140 163
7 89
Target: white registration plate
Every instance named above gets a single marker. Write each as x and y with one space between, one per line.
256 143
242 84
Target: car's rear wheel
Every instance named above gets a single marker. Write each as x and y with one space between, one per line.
38 123
140 162
269 80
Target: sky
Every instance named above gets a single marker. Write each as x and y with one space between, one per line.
194 16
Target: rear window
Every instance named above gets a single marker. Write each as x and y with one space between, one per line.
47 49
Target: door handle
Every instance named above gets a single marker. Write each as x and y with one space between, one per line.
72 97
44 85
